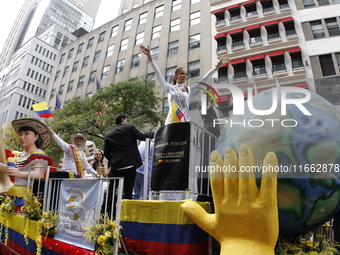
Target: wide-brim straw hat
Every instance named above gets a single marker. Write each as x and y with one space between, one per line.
74 136
38 126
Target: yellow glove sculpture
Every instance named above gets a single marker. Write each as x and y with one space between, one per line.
245 219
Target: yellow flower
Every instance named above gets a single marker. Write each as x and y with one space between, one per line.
309 243
108 233
102 240
313 253
112 224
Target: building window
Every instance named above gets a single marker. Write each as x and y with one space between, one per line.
278 63
267 6
61 89
154 53
106 71
175 25
62 57
89 94
221 43
96 56
135 6
57 75
273 32
323 2
222 74
332 26
81 81
92 76
337 56
259 66
156 31
169 74
75 66
86 61
220 18
159 11
176 5
70 86
66 70
120 66
114 31
240 70
70 53
327 65
139 38
317 29
308 3
135 60
237 40
173 48
290 28
80 48
194 69
235 14
195 18
90 43
151 77
109 51
255 36
194 41
124 44
142 18
128 25
251 10
296 59
101 37
283 4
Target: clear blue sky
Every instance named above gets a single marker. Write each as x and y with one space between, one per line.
107 11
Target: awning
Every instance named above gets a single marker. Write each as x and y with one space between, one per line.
217 11
232 6
252 27
220 35
287 19
294 49
256 57
275 53
235 31
241 60
249 2
270 22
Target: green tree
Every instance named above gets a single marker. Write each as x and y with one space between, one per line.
94 116
11 138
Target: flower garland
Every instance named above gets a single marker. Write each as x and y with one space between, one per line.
7 206
104 234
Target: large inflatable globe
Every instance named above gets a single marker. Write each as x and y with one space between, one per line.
308 149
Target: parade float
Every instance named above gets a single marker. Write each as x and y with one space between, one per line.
308 159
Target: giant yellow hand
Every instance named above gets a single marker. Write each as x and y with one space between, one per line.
246 218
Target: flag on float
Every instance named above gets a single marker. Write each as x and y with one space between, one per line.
42 110
98 84
58 102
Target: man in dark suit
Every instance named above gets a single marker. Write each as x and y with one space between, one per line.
121 151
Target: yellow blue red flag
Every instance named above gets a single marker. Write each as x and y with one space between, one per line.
42 110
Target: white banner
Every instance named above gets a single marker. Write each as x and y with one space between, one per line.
78 207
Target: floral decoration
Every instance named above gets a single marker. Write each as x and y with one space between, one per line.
32 207
104 234
319 245
49 222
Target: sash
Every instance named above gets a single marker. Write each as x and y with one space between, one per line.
78 160
181 103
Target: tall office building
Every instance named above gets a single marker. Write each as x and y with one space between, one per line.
178 32
26 70
38 15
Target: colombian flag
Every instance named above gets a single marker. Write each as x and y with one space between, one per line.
176 113
42 110
161 228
